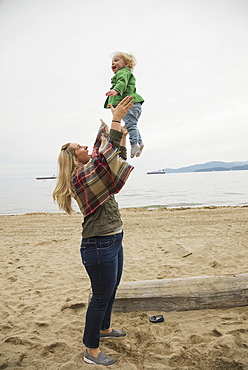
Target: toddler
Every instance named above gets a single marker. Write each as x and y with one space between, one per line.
123 84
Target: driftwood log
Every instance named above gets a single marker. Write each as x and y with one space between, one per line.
182 294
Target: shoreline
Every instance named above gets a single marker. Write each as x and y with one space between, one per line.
150 207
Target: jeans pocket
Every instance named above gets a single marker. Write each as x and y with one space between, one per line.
89 253
105 244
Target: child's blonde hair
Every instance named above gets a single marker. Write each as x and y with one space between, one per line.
129 59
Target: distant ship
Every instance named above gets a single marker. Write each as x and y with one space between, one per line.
46 178
156 172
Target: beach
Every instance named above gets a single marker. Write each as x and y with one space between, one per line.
45 290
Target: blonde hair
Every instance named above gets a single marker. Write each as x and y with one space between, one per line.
129 59
63 191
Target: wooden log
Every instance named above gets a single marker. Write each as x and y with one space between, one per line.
182 294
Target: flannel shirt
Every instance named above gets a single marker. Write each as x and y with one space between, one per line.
104 175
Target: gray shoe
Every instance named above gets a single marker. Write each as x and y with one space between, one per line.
102 359
139 151
134 149
114 334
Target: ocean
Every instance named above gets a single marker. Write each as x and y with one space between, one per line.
174 190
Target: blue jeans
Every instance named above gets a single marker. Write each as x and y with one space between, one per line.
102 257
131 120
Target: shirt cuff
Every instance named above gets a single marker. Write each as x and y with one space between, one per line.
123 153
115 137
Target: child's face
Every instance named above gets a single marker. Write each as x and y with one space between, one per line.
118 63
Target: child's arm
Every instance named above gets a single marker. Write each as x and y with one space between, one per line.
122 82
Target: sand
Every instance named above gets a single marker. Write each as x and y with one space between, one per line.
45 290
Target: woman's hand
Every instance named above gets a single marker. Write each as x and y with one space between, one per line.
124 131
124 136
121 110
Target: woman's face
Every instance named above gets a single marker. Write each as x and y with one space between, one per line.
81 153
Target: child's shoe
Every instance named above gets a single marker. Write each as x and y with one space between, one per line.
134 149
139 151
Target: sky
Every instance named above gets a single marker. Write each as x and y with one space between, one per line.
55 70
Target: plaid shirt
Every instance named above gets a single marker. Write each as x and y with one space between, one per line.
104 175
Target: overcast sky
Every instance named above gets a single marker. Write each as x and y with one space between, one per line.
55 69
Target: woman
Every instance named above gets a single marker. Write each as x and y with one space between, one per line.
93 181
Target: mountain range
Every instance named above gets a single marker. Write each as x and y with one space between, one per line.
210 166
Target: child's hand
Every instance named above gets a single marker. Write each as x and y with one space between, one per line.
112 93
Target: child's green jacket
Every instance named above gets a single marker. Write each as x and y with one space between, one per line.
123 82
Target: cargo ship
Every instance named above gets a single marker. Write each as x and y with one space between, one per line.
46 178
156 172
